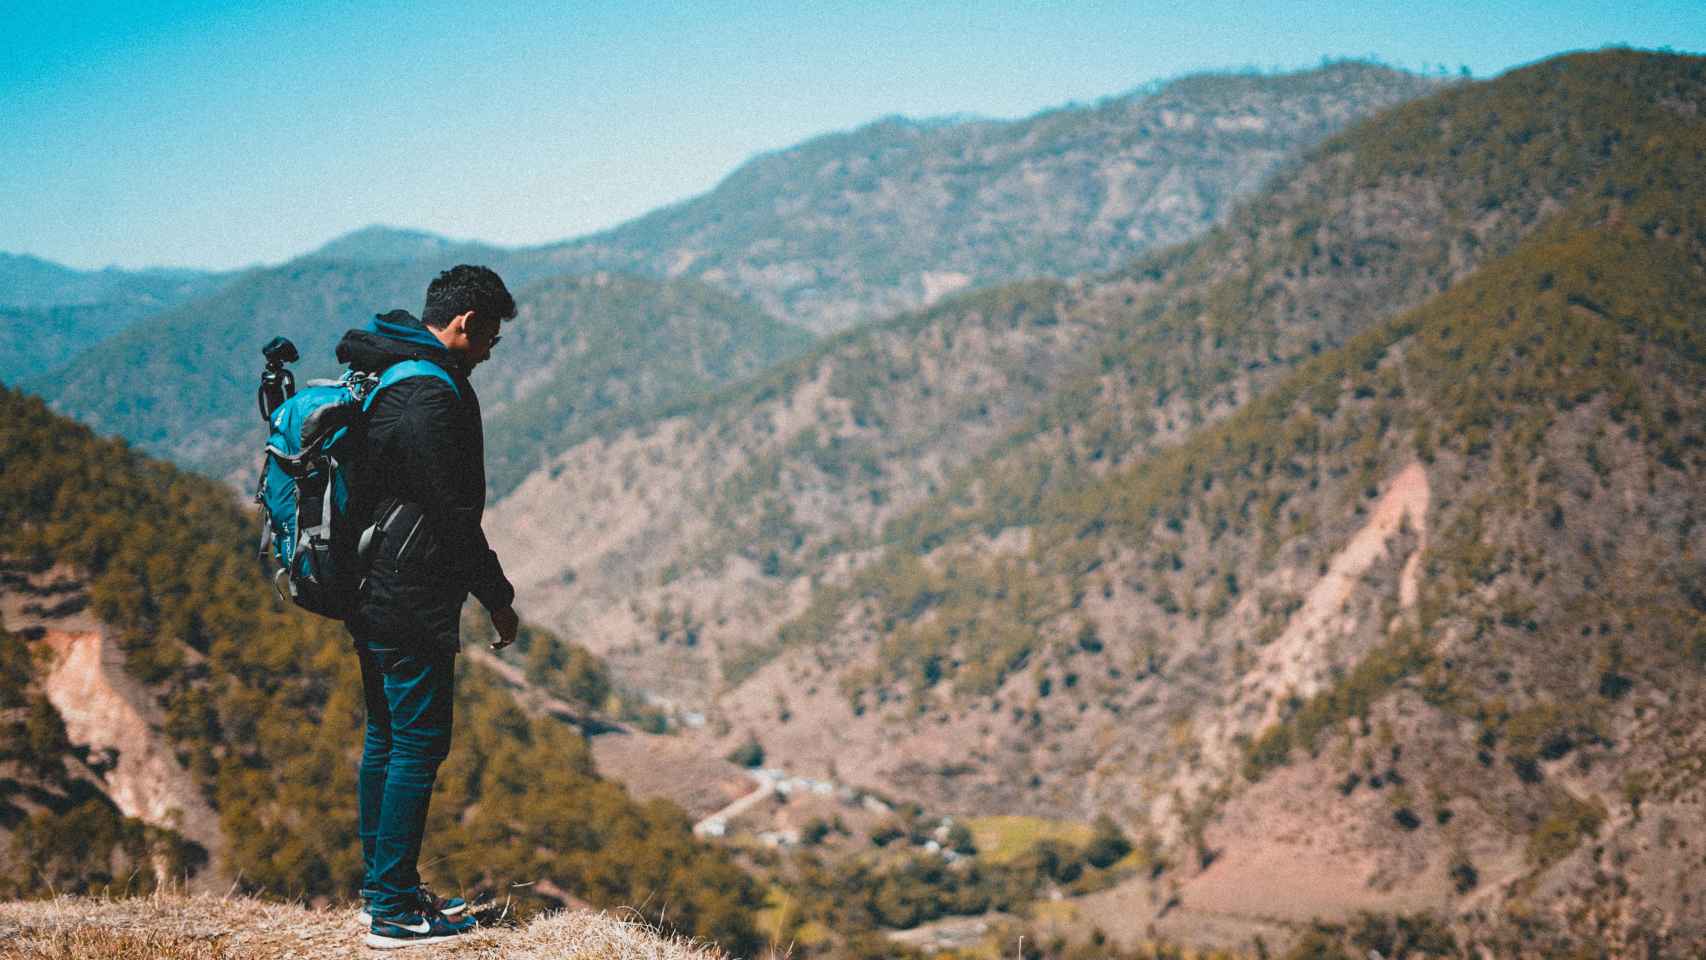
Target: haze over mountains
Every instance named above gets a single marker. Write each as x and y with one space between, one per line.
1347 554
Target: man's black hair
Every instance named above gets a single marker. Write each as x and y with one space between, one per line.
463 288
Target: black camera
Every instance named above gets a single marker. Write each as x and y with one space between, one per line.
277 383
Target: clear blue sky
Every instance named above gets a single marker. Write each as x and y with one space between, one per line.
217 134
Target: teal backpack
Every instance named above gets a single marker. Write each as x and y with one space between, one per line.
318 530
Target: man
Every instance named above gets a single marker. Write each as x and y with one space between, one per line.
425 459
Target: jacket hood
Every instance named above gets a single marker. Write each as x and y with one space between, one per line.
391 338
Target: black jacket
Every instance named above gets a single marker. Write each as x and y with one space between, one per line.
425 459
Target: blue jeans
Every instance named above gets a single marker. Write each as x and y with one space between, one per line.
409 694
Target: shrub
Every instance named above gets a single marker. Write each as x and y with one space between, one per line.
749 754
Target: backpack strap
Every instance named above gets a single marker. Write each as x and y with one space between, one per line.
404 370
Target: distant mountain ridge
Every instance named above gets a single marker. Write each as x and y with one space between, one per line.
851 226
381 244
817 459
584 351
36 340
195 364
184 386
29 281
50 312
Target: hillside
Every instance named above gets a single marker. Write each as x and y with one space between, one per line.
1419 622
728 519
592 355
54 787
144 628
1396 563
891 216
183 386
34 340
983 555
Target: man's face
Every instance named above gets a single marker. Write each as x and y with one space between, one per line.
470 338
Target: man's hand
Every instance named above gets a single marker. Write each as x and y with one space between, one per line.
506 623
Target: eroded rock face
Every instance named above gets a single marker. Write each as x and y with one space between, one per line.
112 714
109 715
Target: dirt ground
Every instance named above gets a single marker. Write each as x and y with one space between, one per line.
228 928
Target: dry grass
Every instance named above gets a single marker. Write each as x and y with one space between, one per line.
213 928
1002 839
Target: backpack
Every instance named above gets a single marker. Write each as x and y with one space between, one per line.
318 516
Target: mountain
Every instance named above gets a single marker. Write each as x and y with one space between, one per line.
27 281
174 717
852 226
782 480
55 790
585 356
380 244
183 385
1422 619
1073 189
50 313
1353 538
35 340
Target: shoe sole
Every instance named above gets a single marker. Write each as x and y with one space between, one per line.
378 942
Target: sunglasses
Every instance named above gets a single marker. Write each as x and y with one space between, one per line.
478 333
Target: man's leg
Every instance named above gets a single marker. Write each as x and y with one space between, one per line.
375 757
418 688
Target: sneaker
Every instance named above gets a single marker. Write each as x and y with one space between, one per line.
445 906
413 929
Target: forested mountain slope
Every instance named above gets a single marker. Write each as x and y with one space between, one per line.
36 340
706 533
1422 619
183 385
50 313
589 355
63 830
27 281
853 226
261 706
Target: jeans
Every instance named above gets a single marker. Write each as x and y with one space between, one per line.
409 694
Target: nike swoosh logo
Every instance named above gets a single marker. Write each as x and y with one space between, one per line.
425 927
